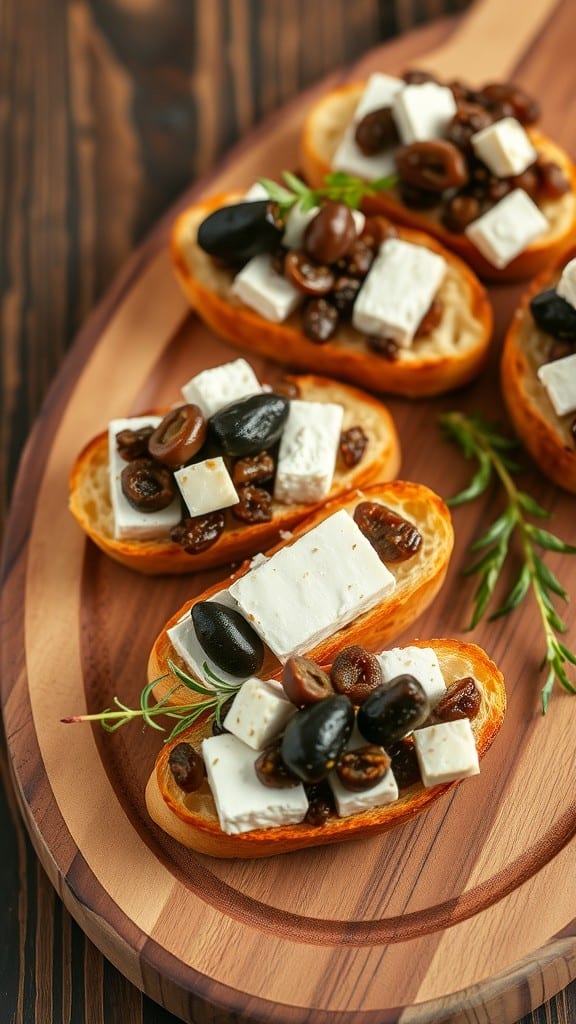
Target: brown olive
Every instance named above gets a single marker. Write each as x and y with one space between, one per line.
304 681
529 181
344 293
254 506
393 537
330 233
352 446
393 710
468 119
461 700
253 469
319 320
405 767
376 131
179 436
358 259
553 182
148 486
199 533
187 767
431 319
320 803
459 212
306 275
133 444
356 673
518 103
271 770
432 165
363 767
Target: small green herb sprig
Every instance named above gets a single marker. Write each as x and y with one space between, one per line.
341 187
185 714
480 441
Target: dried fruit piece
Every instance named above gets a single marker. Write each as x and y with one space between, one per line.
363 767
352 446
133 444
304 681
199 533
147 485
356 673
461 700
187 767
393 537
255 505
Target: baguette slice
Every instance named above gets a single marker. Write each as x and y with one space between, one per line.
322 132
90 496
450 356
546 435
191 818
418 580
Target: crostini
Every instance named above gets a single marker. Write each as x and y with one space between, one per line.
326 290
472 168
348 751
359 570
251 463
538 371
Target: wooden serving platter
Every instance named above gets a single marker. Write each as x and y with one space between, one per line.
468 914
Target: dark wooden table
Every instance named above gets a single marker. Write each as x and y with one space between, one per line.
109 110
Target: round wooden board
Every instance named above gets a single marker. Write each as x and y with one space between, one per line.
467 914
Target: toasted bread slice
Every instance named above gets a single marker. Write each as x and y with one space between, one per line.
191 818
450 356
91 506
546 435
418 580
323 129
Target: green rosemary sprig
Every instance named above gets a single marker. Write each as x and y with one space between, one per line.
480 441
342 187
185 714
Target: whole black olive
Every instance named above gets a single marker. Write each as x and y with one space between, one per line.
315 737
227 638
249 425
554 315
393 710
237 233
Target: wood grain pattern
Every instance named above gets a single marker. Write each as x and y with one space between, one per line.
110 88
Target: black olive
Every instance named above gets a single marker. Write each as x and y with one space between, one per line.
554 315
393 710
227 638
237 233
315 736
249 425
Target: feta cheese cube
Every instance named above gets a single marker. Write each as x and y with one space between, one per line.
505 230
259 712
348 802
212 389
559 379
185 642
261 288
379 92
130 523
398 290
423 111
504 147
255 193
420 662
242 802
318 584
446 752
566 287
206 486
308 451
296 223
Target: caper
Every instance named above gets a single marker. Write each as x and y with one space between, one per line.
227 638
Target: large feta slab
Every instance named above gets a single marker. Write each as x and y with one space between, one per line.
129 522
308 451
206 486
213 389
186 644
259 712
398 290
504 231
262 289
559 379
420 662
566 287
311 588
242 802
446 752
379 92
504 147
423 111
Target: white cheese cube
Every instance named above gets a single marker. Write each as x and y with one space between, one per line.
420 662
185 642
256 193
261 288
348 802
446 752
308 451
212 389
505 230
504 147
242 802
129 522
566 287
423 111
259 712
398 290
559 379
296 223
206 486
318 584
379 92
